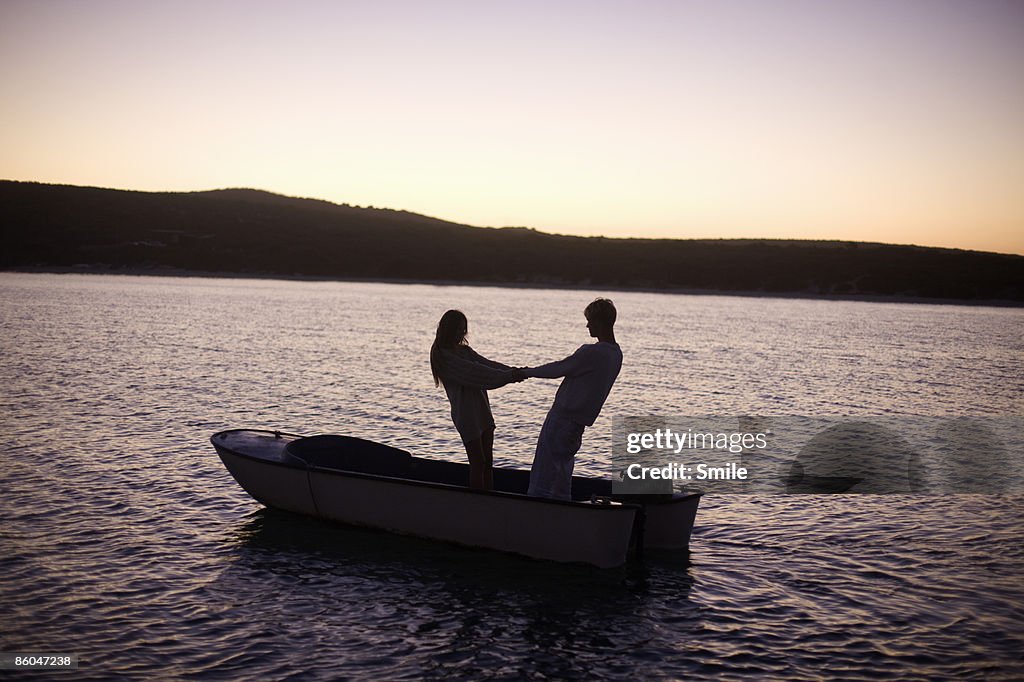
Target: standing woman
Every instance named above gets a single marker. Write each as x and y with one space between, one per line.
466 376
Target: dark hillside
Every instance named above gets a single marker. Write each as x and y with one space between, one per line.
249 232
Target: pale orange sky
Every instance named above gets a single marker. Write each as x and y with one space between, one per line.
880 121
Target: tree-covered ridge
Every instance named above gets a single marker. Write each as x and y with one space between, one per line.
249 232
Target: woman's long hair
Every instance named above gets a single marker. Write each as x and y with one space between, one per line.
451 332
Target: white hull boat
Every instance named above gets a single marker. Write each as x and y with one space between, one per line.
360 482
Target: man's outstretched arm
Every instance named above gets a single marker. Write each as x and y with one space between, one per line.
571 366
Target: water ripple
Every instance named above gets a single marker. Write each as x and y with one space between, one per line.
124 540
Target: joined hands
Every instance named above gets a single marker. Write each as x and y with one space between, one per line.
519 374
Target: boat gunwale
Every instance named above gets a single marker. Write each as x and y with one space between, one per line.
580 504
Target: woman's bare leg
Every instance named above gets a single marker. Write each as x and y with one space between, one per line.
487 441
475 451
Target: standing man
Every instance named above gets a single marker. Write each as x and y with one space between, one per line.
589 374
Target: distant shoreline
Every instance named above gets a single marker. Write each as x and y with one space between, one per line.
187 273
248 233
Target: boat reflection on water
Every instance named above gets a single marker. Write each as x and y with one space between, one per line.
442 608
301 542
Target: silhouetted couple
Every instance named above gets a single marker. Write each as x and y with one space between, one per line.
467 376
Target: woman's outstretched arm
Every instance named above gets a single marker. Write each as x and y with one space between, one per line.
474 374
476 357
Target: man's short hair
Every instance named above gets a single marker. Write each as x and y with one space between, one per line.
601 310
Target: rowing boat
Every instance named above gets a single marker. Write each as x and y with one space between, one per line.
356 481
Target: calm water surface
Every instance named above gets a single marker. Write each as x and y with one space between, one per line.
123 539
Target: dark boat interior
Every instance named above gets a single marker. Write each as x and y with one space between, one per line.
346 453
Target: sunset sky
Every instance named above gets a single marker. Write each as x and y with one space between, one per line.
897 121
